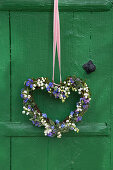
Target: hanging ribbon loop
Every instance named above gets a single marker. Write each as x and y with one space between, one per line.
56 38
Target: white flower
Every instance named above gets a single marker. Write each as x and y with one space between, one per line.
34 85
86 89
27 113
29 96
58 89
73 125
46 125
24 108
25 95
33 88
47 131
66 88
23 112
60 96
35 112
42 88
79 90
79 108
46 85
43 79
76 130
41 84
59 135
24 91
86 95
64 82
42 120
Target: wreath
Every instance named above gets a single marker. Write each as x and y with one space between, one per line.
61 91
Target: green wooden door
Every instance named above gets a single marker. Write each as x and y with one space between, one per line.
26 52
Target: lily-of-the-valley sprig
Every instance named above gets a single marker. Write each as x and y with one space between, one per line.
62 92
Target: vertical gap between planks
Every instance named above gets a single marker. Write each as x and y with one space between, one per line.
111 116
10 59
10 86
90 37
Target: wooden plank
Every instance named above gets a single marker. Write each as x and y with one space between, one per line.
111 94
82 153
29 153
44 5
4 87
4 67
93 41
27 129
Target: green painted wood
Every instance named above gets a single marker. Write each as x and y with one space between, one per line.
111 107
71 153
4 87
4 66
42 5
26 129
84 36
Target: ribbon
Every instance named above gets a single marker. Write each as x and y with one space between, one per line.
56 38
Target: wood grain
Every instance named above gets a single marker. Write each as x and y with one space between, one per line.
45 5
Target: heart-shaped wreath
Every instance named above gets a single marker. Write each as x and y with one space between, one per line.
62 92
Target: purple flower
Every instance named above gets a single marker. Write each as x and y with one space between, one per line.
49 134
71 128
48 88
51 84
25 101
22 95
31 86
85 106
54 92
33 122
71 80
30 80
28 83
29 107
44 115
57 121
62 126
84 100
79 118
52 127
71 113
63 95
37 124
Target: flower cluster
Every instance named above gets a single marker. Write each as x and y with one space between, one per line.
62 92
